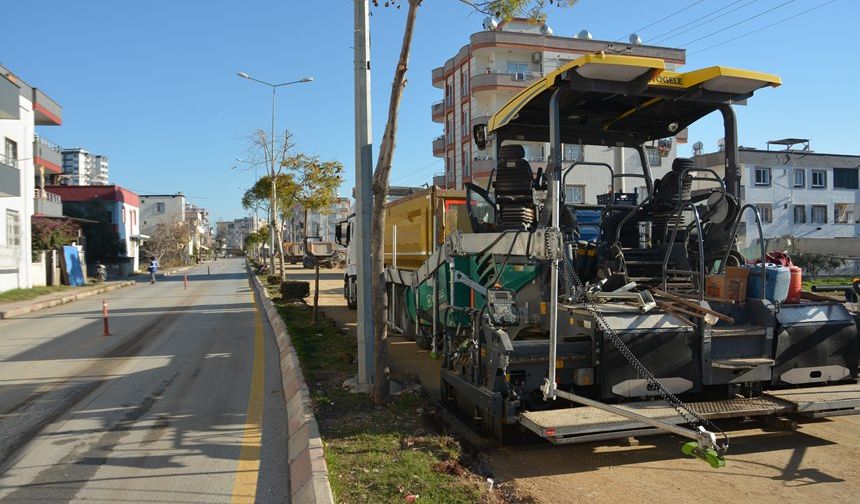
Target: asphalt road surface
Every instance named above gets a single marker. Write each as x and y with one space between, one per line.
181 403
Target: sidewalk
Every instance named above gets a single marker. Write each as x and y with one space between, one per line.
10 310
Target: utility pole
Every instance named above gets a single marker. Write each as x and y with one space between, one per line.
363 194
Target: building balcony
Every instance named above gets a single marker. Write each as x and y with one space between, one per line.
493 81
10 107
47 154
437 111
10 177
47 204
439 146
438 76
47 111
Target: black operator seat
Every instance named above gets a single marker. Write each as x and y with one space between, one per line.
513 189
670 192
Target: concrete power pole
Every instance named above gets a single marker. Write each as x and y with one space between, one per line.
363 194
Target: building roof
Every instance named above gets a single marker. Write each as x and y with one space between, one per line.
86 193
806 159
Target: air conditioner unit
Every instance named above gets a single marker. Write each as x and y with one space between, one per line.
537 57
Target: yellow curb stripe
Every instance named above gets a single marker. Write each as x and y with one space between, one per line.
247 469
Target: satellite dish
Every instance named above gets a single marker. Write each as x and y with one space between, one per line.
545 29
584 34
635 39
490 23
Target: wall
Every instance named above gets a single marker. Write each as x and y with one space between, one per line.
150 218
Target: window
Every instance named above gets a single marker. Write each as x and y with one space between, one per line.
449 95
799 178
159 208
464 83
467 171
819 179
464 124
845 178
13 228
573 152
799 214
449 129
762 175
766 213
843 213
654 157
819 214
518 67
11 153
574 194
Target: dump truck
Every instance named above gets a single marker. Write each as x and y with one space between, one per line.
417 220
543 333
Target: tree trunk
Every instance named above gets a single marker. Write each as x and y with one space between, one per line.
381 386
316 292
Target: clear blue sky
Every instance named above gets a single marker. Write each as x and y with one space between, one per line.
153 84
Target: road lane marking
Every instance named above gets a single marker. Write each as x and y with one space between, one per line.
248 467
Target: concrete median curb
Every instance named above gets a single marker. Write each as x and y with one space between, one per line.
17 311
308 471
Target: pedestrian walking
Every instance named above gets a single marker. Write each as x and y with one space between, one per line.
152 268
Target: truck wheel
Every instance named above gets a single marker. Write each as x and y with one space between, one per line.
423 338
351 293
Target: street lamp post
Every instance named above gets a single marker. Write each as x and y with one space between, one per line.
273 213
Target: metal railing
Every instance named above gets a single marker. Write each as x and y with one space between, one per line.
45 195
8 161
48 144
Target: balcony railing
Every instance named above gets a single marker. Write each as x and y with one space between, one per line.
44 142
439 144
49 196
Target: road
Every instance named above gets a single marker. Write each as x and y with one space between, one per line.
818 463
181 403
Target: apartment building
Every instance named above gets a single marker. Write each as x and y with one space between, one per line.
80 167
498 63
25 158
230 235
158 209
321 224
120 208
198 223
811 199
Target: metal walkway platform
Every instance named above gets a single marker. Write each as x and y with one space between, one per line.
584 424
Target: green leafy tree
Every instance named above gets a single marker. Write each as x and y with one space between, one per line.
317 183
52 234
814 264
504 9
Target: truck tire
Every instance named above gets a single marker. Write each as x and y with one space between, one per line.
424 338
350 292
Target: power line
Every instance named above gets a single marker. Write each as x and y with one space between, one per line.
661 38
661 19
764 27
742 21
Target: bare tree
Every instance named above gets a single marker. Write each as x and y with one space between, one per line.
262 149
168 243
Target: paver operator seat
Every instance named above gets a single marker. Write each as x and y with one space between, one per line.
668 198
513 189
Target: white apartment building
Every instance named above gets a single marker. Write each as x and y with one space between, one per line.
80 167
198 223
22 109
808 198
158 209
321 224
498 63
231 234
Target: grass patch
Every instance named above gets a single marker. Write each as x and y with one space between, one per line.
834 280
375 454
13 295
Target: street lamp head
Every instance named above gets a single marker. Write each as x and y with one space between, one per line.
243 75
307 79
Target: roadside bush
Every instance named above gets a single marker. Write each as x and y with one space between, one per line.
295 290
273 279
